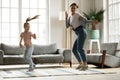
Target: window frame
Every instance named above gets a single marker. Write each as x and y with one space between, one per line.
106 28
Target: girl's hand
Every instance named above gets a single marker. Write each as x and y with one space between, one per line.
34 36
21 45
66 14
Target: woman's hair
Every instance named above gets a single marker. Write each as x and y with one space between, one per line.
74 4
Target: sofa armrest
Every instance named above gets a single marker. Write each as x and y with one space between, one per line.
66 53
1 56
117 50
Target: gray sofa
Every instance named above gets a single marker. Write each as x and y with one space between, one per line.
10 54
111 56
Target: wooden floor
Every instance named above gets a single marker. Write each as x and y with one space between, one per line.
115 76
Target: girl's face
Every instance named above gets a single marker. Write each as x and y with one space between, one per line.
73 8
27 27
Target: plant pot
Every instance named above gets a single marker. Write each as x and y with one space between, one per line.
94 34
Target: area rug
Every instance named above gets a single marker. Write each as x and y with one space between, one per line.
43 72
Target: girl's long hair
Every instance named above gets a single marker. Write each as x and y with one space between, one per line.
29 19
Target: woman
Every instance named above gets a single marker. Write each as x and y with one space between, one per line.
78 23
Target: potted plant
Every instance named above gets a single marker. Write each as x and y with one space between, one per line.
94 15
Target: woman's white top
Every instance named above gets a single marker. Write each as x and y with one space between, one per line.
76 20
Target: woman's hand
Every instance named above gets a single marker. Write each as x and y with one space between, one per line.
66 14
95 22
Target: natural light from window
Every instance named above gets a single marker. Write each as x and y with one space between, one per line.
13 14
114 20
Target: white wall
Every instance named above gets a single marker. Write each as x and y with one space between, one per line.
86 5
57 27
98 6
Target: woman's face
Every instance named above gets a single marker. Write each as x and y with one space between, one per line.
73 9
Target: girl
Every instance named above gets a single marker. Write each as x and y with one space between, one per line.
78 23
26 37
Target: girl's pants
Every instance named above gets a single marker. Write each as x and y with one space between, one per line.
28 56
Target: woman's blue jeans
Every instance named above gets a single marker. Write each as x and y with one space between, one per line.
79 44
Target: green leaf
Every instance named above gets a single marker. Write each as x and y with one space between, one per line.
94 15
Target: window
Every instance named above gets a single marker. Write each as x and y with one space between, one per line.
113 20
13 14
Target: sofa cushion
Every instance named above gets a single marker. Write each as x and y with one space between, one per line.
48 58
44 49
94 58
12 49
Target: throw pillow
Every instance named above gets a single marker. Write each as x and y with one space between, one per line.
12 49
